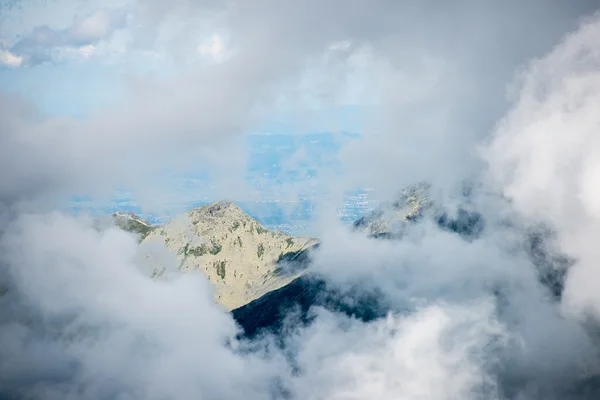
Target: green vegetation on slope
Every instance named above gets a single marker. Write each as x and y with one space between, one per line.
220 267
203 249
134 226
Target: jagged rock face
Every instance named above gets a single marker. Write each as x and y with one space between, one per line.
242 259
391 219
292 303
551 265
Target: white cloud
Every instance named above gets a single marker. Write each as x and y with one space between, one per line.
93 27
9 59
439 352
214 48
62 54
545 154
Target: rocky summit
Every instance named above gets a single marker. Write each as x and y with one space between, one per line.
414 203
389 218
242 259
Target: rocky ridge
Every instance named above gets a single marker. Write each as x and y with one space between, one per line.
389 218
414 203
242 259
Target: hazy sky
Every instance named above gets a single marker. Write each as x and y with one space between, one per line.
74 57
182 77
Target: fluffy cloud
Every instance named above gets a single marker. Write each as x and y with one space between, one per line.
214 48
544 154
108 331
9 59
437 352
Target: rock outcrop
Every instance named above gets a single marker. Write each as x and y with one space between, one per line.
414 203
389 218
242 259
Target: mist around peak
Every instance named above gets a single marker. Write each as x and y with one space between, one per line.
485 290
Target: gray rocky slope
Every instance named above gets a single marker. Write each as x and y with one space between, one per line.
241 259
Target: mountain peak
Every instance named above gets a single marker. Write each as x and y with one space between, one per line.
241 258
225 205
219 209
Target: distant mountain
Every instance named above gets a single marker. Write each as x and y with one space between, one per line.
390 219
414 203
242 259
